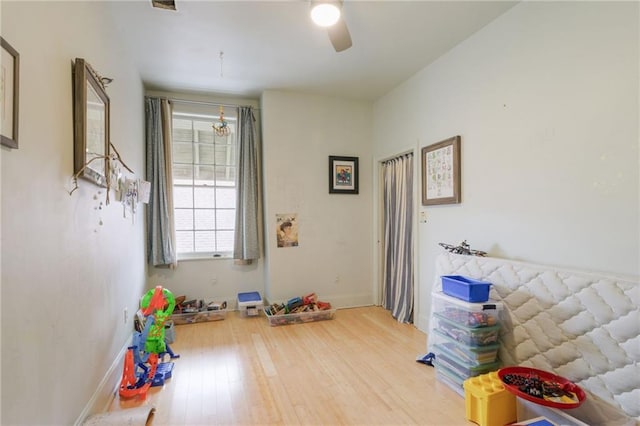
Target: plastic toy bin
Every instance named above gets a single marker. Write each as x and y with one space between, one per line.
250 304
199 316
466 289
299 318
467 314
471 355
453 381
471 336
463 369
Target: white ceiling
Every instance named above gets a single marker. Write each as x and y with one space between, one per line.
274 44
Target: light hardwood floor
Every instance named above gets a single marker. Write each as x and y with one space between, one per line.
357 369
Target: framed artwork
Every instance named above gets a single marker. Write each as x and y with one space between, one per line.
441 172
91 124
343 175
9 91
287 230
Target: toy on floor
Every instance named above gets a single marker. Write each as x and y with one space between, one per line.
159 302
426 359
141 367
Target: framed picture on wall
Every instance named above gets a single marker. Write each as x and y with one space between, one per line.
9 90
441 172
91 124
343 175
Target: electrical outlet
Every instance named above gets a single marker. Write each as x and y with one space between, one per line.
214 280
336 279
126 315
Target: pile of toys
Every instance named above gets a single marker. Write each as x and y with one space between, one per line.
296 305
197 310
184 306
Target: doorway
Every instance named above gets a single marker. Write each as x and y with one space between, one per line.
397 236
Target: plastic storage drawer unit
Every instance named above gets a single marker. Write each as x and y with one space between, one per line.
470 355
471 336
467 314
463 369
448 378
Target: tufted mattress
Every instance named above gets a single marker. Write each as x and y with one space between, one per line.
580 325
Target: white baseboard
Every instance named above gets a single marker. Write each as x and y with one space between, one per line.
106 391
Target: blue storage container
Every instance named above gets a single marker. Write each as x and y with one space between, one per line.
466 289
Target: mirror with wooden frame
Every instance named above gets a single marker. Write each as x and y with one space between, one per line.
91 124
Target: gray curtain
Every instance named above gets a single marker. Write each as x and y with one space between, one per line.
397 293
246 245
161 236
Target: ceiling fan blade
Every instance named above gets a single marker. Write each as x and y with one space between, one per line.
339 36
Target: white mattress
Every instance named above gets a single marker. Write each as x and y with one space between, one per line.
582 326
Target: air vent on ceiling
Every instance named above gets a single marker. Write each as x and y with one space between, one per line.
164 4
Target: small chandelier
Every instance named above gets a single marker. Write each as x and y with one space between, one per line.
221 128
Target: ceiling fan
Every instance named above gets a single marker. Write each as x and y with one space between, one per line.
325 13
328 13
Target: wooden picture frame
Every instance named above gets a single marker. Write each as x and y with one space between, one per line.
91 124
9 95
441 172
343 175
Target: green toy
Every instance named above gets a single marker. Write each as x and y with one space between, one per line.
158 302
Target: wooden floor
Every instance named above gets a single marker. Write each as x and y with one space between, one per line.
357 369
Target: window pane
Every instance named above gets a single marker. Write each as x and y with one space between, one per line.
182 196
205 135
204 197
204 153
225 219
182 152
226 198
182 131
225 240
184 219
205 173
183 173
226 140
205 241
225 155
226 175
205 219
184 241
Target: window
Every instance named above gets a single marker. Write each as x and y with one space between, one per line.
204 185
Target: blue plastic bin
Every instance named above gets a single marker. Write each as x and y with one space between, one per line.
466 289
252 296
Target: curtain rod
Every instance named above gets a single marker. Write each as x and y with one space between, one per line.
187 101
396 156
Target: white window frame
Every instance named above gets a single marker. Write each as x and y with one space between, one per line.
195 255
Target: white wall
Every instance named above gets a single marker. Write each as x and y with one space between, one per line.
335 230
65 279
546 101
210 279
300 132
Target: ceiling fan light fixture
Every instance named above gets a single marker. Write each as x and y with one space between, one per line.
325 14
